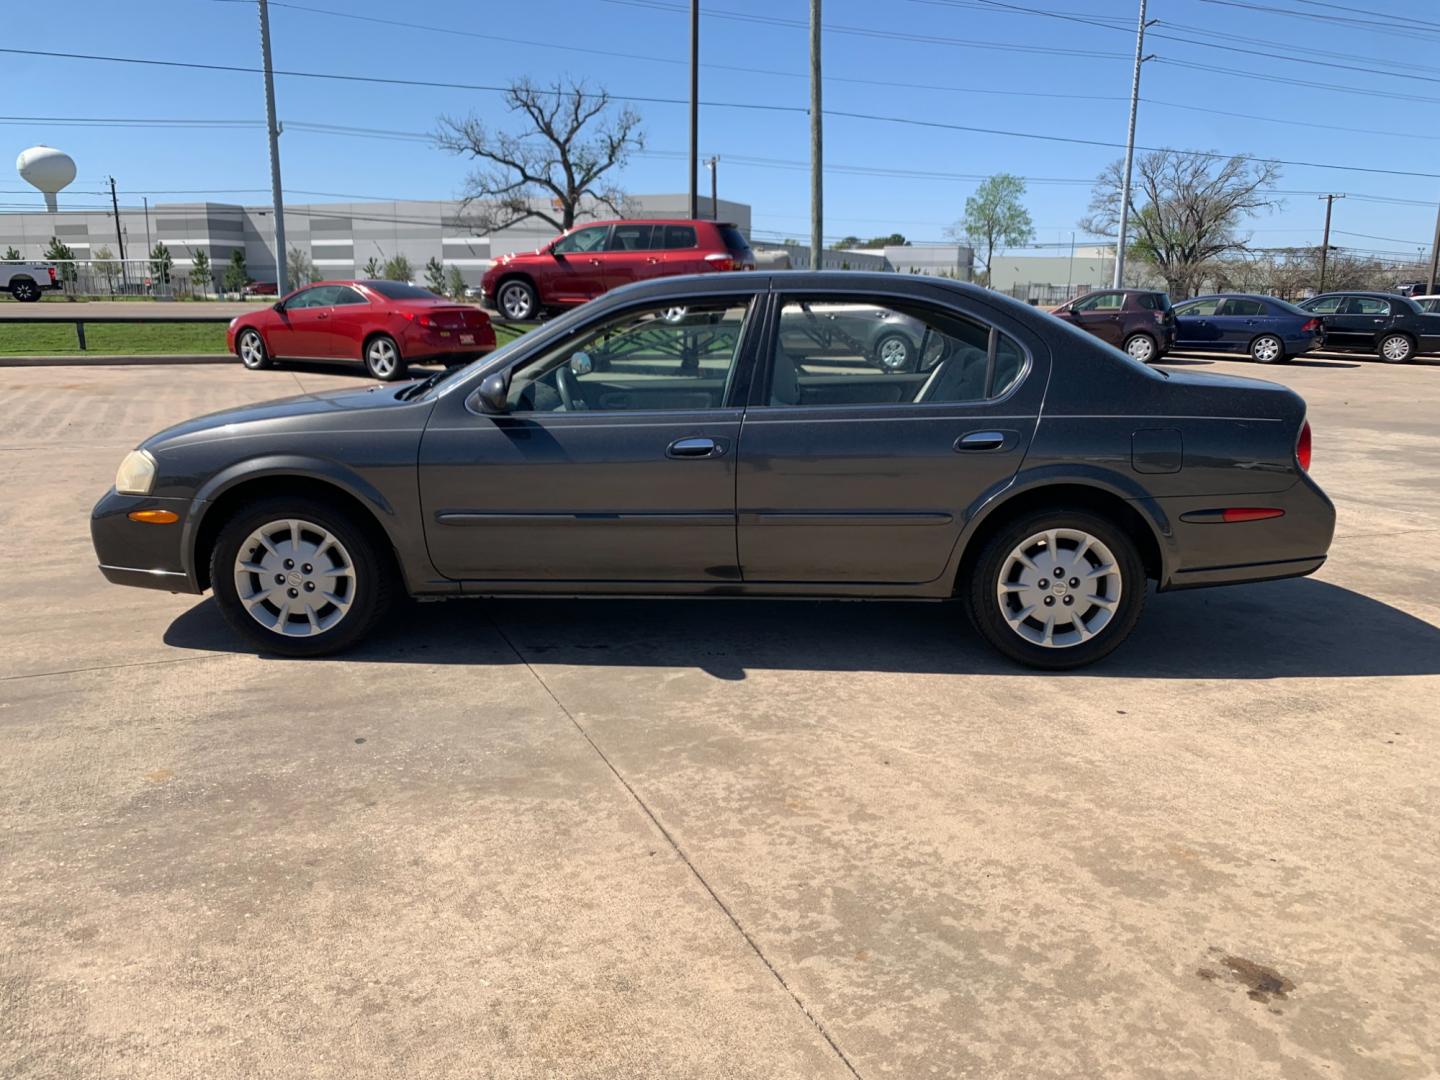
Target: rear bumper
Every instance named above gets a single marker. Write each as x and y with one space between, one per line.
435 345
133 553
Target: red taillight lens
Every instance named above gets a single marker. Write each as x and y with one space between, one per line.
418 320
716 261
1310 327
1302 447
52 274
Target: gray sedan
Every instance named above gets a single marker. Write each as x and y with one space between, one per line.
698 436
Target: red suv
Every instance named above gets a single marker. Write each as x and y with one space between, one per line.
592 259
1140 321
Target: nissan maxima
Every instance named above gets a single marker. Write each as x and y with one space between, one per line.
688 437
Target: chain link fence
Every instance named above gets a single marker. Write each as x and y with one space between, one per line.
129 279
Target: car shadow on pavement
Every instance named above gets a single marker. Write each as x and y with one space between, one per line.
1189 360
1287 629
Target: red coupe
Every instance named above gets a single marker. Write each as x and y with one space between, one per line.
385 324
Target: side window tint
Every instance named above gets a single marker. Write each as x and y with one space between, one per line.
629 238
679 236
666 358
344 295
846 351
1201 308
1102 302
303 299
1009 363
1328 306
1249 308
1148 301
1364 305
583 240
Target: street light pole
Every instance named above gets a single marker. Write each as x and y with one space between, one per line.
714 164
694 108
1325 244
274 129
1435 257
1130 151
817 208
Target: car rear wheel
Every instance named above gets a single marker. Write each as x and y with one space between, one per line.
299 577
252 351
517 300
1268 349
383 360
1397 349
1056 589
25 291
894 352
1142 347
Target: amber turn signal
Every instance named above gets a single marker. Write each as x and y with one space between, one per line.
154 517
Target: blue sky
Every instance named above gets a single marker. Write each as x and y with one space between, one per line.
977 63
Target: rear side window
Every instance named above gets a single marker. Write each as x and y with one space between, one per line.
1244 307
832 351
629 238
1432 305
1364 305
344 295
1153 301
679 236
734 241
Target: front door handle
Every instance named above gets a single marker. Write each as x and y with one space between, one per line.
980 440
695 446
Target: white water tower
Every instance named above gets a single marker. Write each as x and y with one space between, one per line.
48 169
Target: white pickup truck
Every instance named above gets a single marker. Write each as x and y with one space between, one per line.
25 281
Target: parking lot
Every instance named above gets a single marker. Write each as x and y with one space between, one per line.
679 839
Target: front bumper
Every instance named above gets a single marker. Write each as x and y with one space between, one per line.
143 555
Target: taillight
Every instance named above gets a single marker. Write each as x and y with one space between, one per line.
717 261
1302 447
1311 327
418 320
52 274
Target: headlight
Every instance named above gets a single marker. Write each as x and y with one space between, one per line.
136 475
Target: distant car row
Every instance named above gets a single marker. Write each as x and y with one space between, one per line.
1146 325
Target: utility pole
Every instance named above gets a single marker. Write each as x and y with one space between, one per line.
817 205
1325 244
1435 257
714 165
274 130
1140 58
148 247
694 108
119 235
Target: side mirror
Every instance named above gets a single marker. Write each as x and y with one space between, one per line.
278 305
494 393
581 364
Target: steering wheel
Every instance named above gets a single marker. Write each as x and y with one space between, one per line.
565 383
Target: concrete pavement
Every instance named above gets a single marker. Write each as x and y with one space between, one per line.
689 839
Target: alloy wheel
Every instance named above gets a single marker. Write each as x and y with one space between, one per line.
294 578
515 302
383 358
1266 350
252 352
1059 588
894 353
1395 348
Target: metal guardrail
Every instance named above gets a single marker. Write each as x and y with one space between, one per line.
79 321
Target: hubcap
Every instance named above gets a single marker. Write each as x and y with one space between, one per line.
250 351
1140 348
515 302
294 578
1396 348
1059 588
894 353
1267 349
383 357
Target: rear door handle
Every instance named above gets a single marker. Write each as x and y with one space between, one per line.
695 446
981 440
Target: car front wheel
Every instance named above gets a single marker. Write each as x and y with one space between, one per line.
298 577
252 351
1397 349
1142 347
894 352
1057 589
517 300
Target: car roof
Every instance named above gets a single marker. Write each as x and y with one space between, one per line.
1231 296
1362 292
651 221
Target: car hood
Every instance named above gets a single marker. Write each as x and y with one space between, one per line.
334 408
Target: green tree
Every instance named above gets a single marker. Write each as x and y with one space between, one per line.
62 254
200 273
299 270
398 269
456 284
995 218
435 276
161 263
236 275
109 267
372 268
11 255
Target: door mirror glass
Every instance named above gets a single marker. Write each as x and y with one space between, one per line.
581 364
494 393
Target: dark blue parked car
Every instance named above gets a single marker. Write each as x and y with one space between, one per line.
1270 330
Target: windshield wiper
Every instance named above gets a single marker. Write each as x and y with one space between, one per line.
424 384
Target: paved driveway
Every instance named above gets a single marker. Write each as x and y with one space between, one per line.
682 839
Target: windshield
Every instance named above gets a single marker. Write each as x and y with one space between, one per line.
398 290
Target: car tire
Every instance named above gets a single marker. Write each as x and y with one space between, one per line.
894 353
517 300
250 347
1142 347
293 528
1002 586
25 291
1268 349
383 360
1396 349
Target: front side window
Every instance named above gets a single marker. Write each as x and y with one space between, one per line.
667 358
629 238
1365 305
844 351
1250 308
582 240
1110 301
1327 305
315 296
1202 308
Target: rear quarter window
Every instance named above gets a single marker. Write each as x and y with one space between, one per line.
734 241
679 236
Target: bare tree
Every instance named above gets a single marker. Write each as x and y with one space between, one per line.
1186 209
549 169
